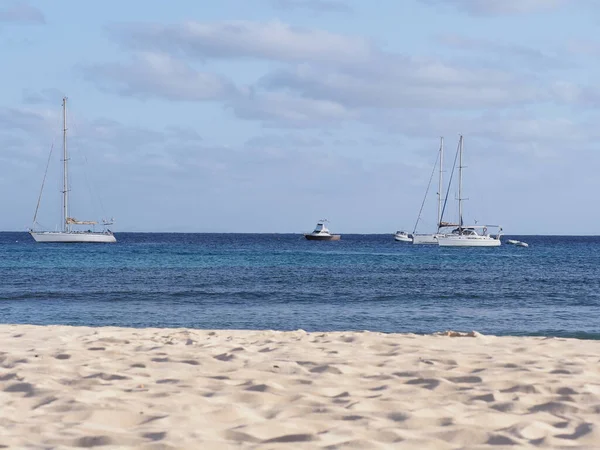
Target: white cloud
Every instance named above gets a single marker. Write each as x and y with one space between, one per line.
396 82
341 78
314 5
568 92
22 13
585 47
280 109
503 53
30 120
156 74
284 141
159 75
244 39
338 79
499 7
44 96
520 131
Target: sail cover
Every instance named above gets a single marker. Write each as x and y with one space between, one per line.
73 221
448 224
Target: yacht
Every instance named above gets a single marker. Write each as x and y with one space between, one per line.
322 233
472 235
68 234
432 238
469 236
402 236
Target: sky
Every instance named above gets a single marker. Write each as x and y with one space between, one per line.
268 115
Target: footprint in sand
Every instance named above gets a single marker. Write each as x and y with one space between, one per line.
24 388
156 436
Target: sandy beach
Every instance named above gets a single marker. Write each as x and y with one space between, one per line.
176 388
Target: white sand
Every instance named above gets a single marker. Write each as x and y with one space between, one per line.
168 388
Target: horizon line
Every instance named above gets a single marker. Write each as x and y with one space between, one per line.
303 232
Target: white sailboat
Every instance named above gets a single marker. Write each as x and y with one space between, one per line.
472 235
432 238
68 234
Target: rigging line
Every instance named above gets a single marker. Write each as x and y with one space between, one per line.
95 198
450 182
426 192
42 188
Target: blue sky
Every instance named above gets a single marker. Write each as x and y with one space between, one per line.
266 115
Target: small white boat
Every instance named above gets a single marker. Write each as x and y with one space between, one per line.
402 236
68 235
517 243
321 233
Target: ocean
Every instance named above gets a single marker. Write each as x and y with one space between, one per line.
284 282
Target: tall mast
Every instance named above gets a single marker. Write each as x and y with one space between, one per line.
439 221
65 169
460 168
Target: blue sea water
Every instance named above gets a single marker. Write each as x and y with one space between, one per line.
284 282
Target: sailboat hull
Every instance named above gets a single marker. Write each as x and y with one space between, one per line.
426 238
468 241
73 237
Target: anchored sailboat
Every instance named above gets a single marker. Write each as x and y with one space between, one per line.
68 234
432 238
468 236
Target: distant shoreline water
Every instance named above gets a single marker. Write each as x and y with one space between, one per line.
283 282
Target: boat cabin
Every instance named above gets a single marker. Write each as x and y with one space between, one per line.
321 228
465 231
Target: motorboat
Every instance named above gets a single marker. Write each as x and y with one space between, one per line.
402 236
322 233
